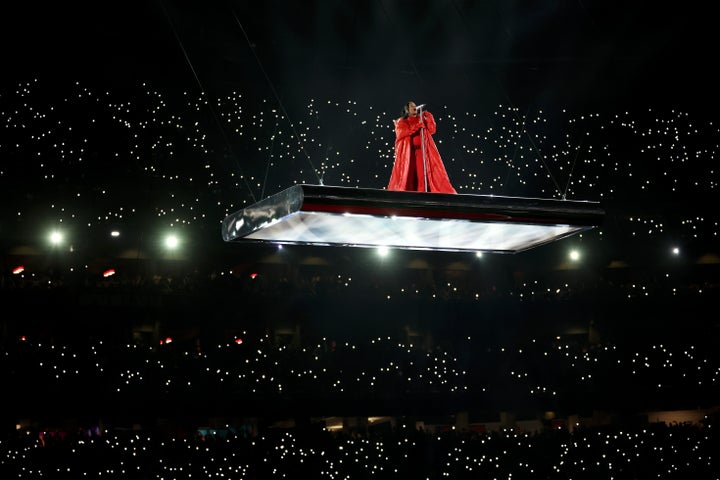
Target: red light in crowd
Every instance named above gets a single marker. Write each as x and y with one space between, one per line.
253 275
238 341
109 272
18 269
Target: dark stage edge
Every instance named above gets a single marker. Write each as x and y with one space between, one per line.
361 217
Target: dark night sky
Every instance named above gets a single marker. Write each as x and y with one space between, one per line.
479 53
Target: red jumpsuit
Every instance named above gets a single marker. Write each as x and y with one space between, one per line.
407 173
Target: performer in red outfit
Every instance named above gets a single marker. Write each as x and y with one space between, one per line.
407 173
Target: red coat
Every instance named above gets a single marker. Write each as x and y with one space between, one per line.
407 171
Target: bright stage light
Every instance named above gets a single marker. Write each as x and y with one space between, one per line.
56 238
172 241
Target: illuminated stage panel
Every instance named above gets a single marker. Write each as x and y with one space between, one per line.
343 216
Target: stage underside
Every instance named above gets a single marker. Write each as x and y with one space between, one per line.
357 217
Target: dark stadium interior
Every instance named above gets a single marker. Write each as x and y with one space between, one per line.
123 356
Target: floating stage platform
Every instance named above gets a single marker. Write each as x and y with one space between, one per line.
361 217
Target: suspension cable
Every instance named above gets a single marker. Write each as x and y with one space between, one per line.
277 97
207 100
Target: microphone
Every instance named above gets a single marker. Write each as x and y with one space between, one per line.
420 107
